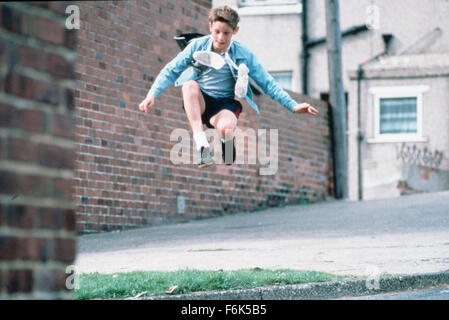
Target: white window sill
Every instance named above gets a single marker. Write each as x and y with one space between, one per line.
399 138
270 10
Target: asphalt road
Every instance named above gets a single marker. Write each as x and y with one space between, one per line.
405 235
439 293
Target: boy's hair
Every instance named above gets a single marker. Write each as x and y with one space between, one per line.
224 14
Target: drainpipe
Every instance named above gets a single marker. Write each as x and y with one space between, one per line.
360 136
305 49
387 39
307 44
359 132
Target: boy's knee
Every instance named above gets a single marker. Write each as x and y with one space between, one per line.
226 124
191 87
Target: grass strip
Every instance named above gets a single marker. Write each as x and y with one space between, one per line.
122 285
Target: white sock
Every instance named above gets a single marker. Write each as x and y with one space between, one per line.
200 140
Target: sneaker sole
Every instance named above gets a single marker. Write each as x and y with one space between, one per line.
241 87
206 60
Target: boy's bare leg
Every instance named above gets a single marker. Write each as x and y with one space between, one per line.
194 105
225 122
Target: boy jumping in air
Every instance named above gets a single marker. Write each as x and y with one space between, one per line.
213 71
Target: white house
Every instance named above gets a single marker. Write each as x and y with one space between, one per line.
402 93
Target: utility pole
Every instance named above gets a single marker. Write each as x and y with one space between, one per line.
304 50
337 98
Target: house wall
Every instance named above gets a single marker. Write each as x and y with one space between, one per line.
124 175
384 170
407 20
277 39
263 34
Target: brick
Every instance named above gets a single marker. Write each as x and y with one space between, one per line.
16 21
48 62
10 18
18 216
69 220
16 149
35 249
63 126
63 189
63 250
9 183
20 281
69 99
54 219
70 39
9 116
54 6
27 185
32 120
25 87
55 156
49 31
36 26
31 57
48 218
3 46
9 247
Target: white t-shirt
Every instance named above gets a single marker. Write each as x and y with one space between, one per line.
217 83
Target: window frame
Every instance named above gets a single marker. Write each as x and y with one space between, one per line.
253 3
398 92
283 73
270 7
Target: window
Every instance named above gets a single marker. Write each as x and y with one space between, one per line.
266 2
398 113
269 7
284 79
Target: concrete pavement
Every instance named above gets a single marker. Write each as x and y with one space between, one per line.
399 236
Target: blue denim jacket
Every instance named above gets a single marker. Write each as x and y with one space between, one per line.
179 70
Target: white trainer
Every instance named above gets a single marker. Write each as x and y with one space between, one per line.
209 59
241 85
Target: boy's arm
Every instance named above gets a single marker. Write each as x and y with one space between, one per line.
267 83
172 70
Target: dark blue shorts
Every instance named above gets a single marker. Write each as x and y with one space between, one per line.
215 105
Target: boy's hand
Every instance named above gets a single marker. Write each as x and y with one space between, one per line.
305 108
146 104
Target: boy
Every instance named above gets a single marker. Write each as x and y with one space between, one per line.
210 87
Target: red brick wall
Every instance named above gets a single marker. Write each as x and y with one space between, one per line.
124 177
37 130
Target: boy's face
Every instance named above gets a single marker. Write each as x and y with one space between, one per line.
221 34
